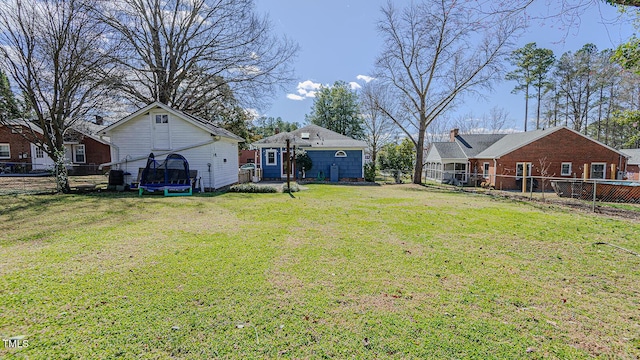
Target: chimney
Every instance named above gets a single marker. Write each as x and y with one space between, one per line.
277 130
99 120
453 134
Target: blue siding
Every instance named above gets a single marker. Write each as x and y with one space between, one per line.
348 167
271 171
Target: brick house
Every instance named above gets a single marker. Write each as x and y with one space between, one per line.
500 159
84 150
633 164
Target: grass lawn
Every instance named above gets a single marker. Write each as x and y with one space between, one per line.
336 272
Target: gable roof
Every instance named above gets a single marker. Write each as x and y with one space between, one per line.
464 147
514 141
634 156
194 120
318 137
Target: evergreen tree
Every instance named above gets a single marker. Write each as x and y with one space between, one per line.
9 108
336 108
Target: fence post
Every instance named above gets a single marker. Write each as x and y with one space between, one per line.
593 208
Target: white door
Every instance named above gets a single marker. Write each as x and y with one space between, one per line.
39 159
283 165
160 126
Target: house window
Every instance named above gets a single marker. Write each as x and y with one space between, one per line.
598 170
16 130
520 168
485 169
271 157
162 119
341 153
565 169
39 153
5 151
79 154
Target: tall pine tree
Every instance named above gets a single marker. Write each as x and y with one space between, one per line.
336 108
9 108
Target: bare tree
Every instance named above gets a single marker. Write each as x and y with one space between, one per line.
185 52
379 128
55 52
436 51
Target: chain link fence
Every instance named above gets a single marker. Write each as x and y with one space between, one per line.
29 179
594 192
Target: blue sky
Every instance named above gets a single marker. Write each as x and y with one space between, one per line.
339 41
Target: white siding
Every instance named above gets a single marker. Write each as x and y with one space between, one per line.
134 139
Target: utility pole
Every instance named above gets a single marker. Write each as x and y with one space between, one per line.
288 167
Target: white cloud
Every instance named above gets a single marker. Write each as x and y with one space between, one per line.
354 85
365 78
306 89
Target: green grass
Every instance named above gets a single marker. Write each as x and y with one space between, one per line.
336 272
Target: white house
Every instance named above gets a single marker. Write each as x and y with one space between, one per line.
161 130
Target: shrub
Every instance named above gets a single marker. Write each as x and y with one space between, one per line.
252 188
370 172
294 188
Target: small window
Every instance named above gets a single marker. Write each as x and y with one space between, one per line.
5 151
485 169
16 130
162 119
520 168
341 153
79 154
271 157
305 135
565 170
598 170
39 153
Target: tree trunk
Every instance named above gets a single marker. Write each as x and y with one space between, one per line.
417 175
61 173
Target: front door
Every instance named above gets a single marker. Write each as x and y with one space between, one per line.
284 166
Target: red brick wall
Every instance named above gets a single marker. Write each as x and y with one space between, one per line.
247 156
97 152
558 147
633 172
17 144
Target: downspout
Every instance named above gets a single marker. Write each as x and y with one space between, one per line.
495 171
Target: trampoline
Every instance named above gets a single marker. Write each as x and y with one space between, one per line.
170 176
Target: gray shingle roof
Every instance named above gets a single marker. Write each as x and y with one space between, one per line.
634 156
319 137
445 150
473 144
511 142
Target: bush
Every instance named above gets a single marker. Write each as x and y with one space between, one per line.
252 188
370 172
294 188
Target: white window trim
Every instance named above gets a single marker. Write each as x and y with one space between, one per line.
604 171
341 154
485 169
275 157
529 169
39 153
562 166
161 118
8 150
74 153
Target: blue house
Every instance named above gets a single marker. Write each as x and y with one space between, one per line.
334 157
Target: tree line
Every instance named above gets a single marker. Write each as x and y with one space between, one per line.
588 90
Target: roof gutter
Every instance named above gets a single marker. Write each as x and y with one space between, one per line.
157 154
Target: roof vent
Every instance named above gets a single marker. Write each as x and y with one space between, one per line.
305 135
